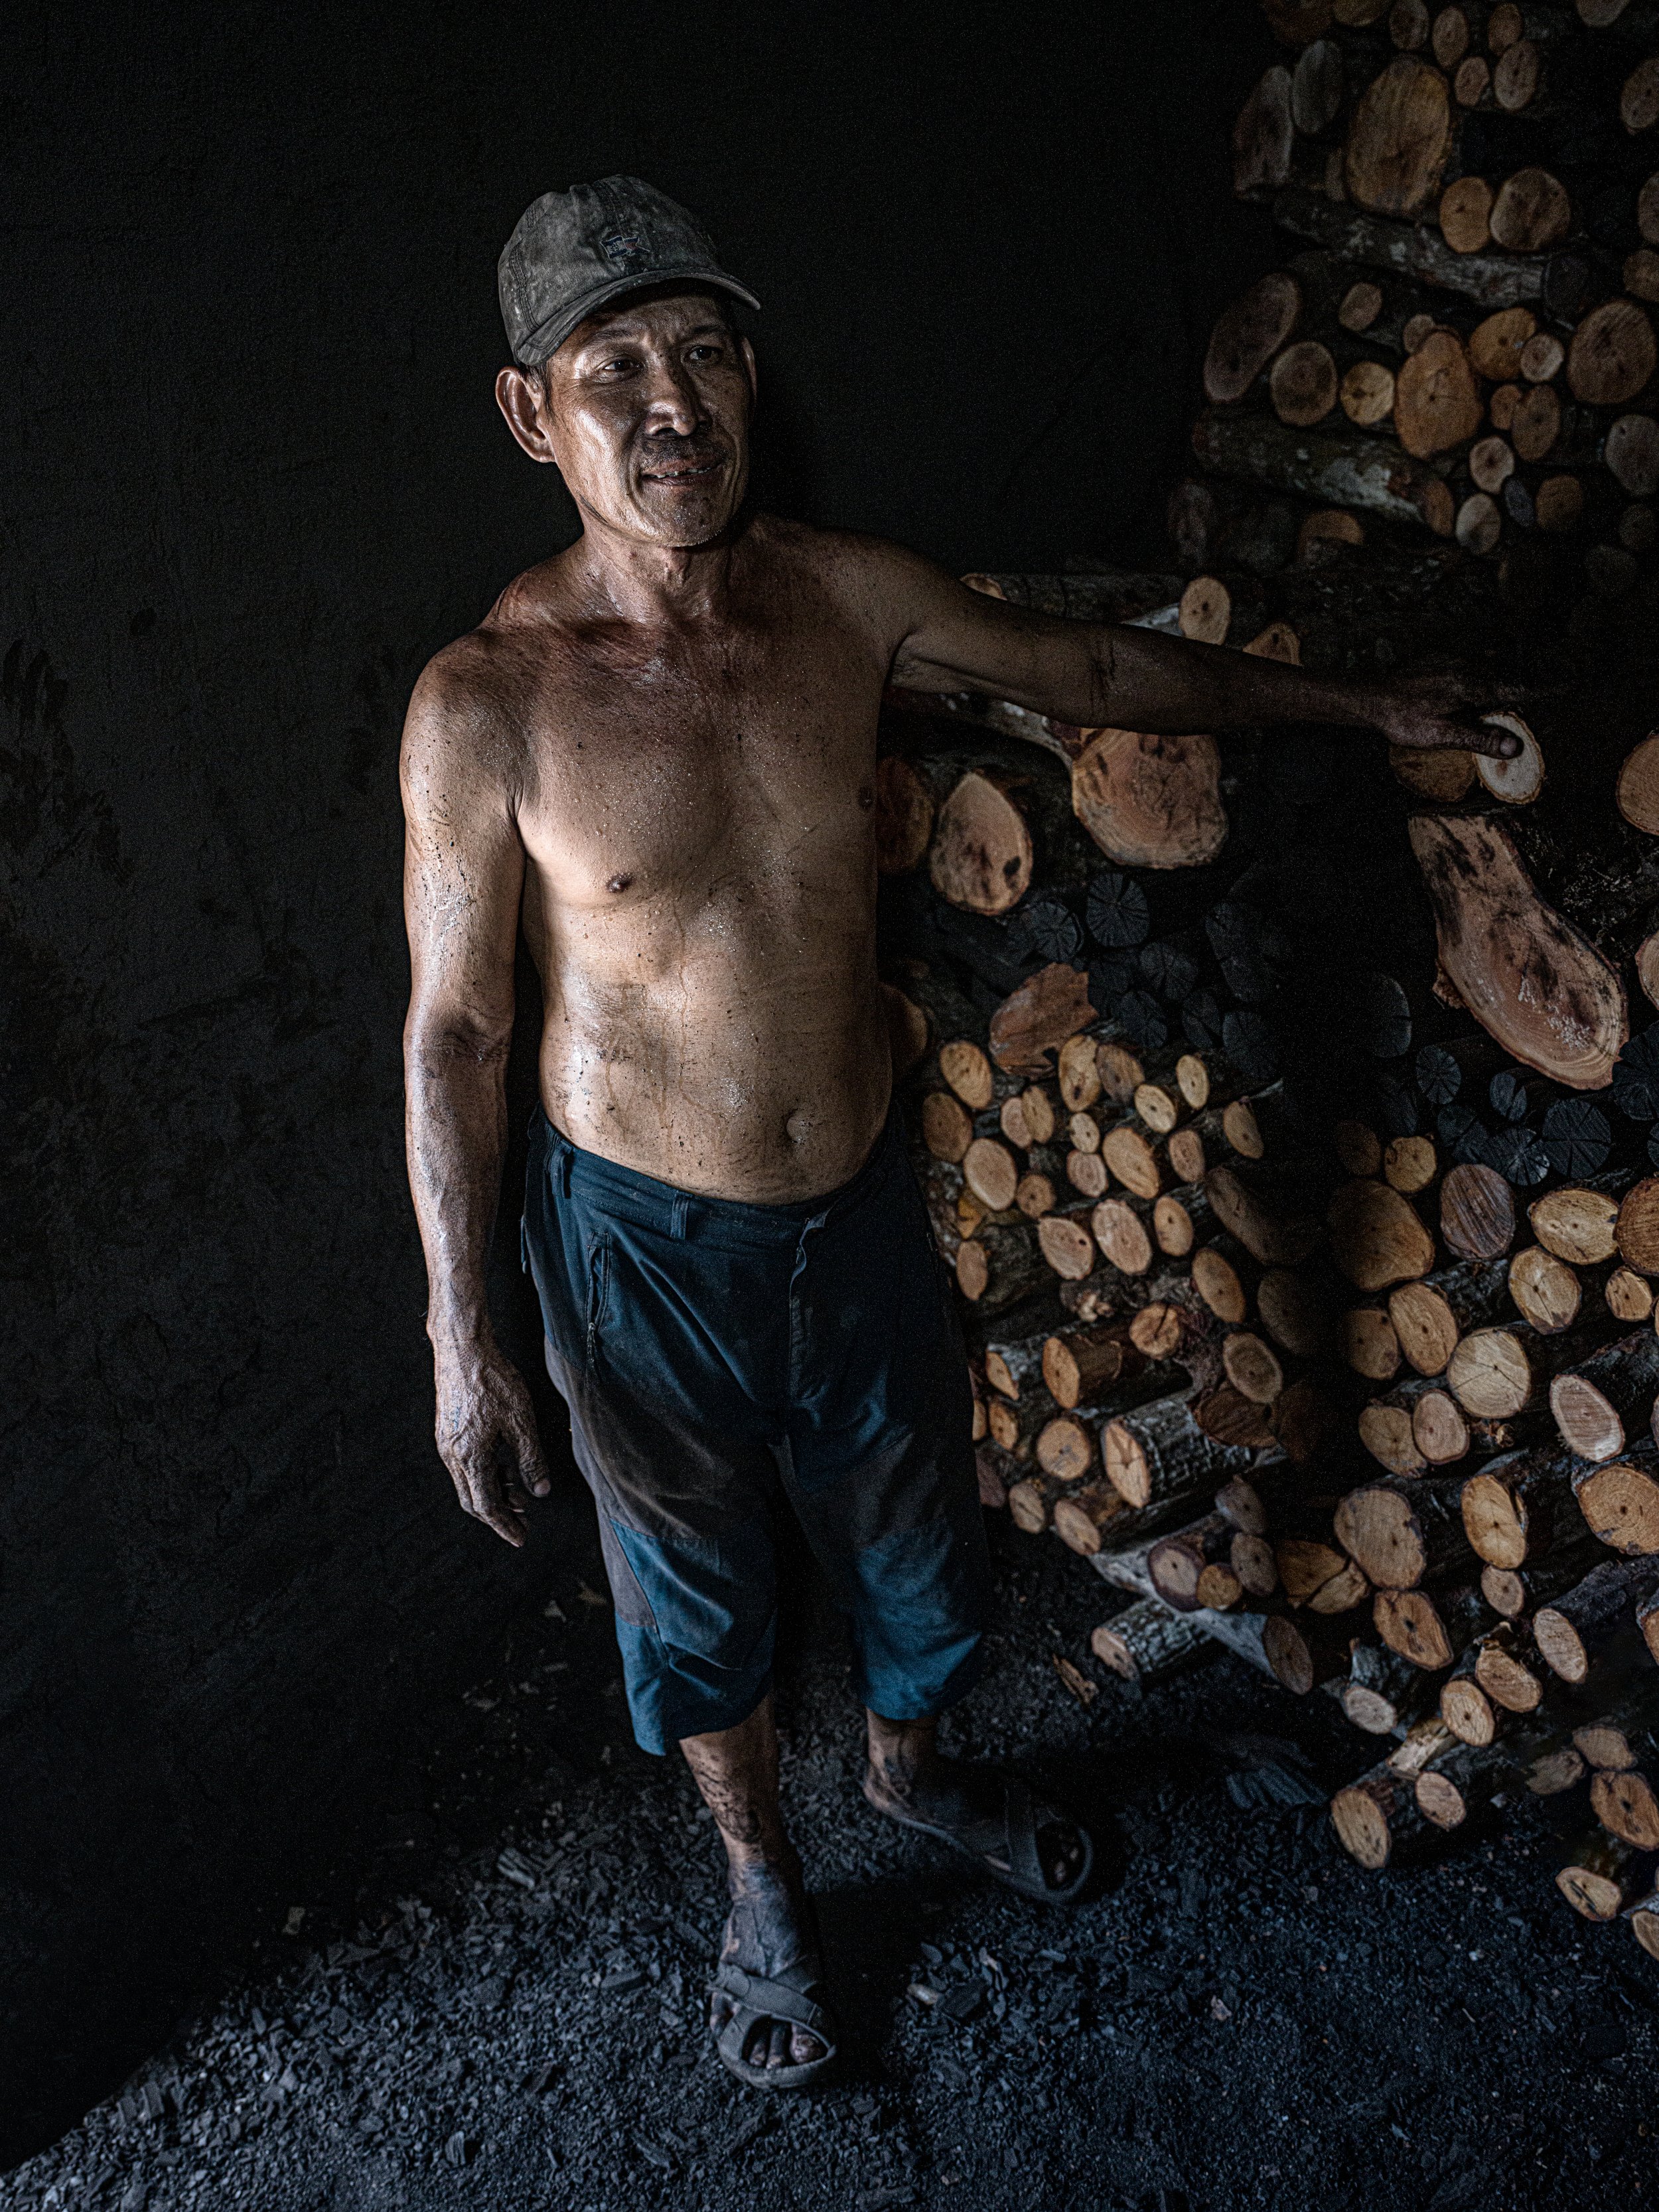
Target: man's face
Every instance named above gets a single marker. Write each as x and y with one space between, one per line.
646 412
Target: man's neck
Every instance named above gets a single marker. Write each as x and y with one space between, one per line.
653 586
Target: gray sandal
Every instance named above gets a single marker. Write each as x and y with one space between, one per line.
1022 1816
782 1995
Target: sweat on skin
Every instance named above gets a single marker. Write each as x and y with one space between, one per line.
656 755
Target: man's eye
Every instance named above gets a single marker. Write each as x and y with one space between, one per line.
705 352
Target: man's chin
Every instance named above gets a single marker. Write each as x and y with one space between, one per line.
686 518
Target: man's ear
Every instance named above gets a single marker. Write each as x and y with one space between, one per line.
751 368
521 398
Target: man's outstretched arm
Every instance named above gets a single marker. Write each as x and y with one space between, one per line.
1101 675
462 875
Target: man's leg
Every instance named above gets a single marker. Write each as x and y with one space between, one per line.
909 1775
736 1770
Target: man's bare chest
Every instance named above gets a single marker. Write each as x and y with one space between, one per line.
660 776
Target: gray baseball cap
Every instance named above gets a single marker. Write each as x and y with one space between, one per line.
571 251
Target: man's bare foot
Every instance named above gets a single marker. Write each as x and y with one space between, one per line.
767 1932
910 1779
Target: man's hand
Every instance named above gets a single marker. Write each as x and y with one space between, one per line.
1423 714
487 1437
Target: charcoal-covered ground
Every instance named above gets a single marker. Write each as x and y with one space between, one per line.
500 2005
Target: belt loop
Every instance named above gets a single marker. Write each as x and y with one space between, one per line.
681 1216
566 1156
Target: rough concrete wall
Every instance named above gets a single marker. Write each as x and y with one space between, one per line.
254 478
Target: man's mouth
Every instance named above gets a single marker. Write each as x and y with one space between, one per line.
687 474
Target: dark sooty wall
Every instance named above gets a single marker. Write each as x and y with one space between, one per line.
255 477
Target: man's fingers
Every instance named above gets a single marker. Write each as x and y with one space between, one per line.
532 1465
479 1494
1498 744
488 1506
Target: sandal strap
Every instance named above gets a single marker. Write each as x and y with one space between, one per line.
780 1997
1020 1824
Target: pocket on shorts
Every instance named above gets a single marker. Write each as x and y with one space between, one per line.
598 1293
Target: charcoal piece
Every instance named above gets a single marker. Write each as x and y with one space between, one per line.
1117 912
1386 1017
1636 1076
1576 1139
1439 1078
1144 1022
1169 972
1237 938
1397 1111
1507 1095
1249 1043
1201 1022
1051 929
1518 1155
1110 977
1461 1135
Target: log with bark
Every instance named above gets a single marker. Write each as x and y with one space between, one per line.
1619 1501
1377 1237
1081 1365
1418 1426
1378 1819
1520 1505
1508 1670
1384 1693
1348 468
1431 1315
1159 1452
1525 972
1583 1621
1000 1264
1428 1628
1147 1643
1477 1211
1606 1399
1151 802
1035 1021
1400 1534
1601 1876
1192 1568
1626 1805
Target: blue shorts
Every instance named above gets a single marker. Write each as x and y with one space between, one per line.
722 1360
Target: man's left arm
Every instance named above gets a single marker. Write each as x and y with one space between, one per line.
1103 675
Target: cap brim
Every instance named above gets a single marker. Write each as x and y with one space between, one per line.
549 337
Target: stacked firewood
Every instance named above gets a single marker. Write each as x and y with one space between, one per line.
1284 1127
1464 348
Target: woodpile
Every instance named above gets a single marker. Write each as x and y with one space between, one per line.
1293 1135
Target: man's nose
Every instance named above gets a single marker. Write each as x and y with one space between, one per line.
672 401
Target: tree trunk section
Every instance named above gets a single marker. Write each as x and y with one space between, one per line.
1583 1621
1532 980
1608 1398
1377 1238
1158 1453
1151 802
1400 1534
1431 1315
1147 1643
1348 468
1621 1505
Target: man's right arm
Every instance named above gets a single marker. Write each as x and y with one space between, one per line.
463 877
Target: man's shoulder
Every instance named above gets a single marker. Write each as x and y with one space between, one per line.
475 689
872 576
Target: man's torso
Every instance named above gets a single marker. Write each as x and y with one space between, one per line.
696 804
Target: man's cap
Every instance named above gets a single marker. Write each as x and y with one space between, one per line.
571 251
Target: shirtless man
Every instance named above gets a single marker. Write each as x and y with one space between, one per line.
657 755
